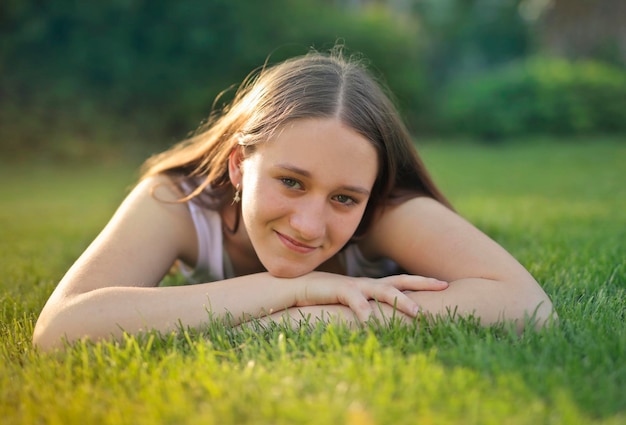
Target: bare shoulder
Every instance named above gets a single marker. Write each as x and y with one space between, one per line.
154 206
426 237
416 217
146 235
158 188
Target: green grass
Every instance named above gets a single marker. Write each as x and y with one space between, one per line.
560 209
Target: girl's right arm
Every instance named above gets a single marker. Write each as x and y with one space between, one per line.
112 288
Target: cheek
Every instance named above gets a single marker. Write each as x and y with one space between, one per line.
260 200
345 226
251 184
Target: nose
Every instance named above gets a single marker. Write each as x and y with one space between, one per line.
309 219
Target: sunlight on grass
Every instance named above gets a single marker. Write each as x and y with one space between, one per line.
558 208
338 381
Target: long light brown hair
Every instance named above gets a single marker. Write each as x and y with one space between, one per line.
315 85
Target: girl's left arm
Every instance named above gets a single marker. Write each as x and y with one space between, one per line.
426 238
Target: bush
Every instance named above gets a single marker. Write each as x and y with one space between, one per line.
148 71
537 96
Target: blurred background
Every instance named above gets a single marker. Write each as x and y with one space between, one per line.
82 80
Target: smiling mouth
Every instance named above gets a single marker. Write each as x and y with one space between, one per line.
295 245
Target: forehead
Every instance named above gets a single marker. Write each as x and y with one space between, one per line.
326 148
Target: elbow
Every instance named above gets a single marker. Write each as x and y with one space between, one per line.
536 312
49 331
44 339
542 316
48 334
63 320
54 330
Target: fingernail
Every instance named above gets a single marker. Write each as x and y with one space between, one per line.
416 311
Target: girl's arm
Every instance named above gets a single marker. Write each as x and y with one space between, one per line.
428 239
112 287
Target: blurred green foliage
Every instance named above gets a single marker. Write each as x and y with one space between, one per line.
80 79
538 95
149 70
467 36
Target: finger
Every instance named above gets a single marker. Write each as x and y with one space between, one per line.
395 298
358 303
406 282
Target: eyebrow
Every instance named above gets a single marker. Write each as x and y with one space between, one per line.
307 174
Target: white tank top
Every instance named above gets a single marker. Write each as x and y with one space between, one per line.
213 263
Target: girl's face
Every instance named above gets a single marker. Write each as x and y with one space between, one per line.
304 193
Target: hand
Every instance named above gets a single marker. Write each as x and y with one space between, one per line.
355 293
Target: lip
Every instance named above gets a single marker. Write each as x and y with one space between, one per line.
294 245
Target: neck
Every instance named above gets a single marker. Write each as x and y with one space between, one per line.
237 243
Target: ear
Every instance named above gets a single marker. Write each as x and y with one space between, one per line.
234 165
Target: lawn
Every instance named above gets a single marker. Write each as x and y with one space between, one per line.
558 207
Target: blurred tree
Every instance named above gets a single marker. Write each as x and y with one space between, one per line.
468 36
585 29
77 72
461 37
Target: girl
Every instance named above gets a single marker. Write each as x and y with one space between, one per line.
305 197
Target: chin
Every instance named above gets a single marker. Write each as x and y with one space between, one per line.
288 272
